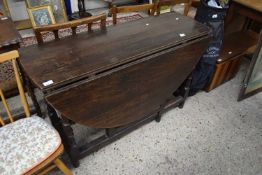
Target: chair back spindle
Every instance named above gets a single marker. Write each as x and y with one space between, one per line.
13 56
71 24
3 99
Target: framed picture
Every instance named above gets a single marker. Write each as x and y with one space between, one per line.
58 8
41 16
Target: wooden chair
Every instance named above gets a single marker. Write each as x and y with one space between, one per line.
174 2
71 24
151 8
1 14
29 145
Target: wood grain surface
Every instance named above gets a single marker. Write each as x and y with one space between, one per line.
129 93
253 4
8 33
112 78
82 56
236 44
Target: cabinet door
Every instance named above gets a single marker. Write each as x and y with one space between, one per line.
253 80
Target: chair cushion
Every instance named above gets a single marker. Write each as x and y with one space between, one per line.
26 143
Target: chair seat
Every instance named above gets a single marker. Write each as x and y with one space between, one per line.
26 143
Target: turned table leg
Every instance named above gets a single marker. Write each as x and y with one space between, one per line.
63 126
186 91
30 90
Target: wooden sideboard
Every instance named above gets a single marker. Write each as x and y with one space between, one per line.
117 78
9 36
9 40
248 8
237 43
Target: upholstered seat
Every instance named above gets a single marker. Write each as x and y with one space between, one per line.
25 144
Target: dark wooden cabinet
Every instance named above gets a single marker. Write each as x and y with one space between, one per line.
237 42
9 40
115 78
234 47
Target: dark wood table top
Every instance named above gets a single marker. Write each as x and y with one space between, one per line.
228 51
8 33
248 8
86 55
252 4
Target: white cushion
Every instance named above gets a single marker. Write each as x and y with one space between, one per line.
26 143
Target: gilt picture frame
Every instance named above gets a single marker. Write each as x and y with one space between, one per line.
57 6
40 16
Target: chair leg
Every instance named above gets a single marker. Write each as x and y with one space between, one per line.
45 171
62 167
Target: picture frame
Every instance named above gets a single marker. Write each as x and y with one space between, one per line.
42 15
58 8
37 3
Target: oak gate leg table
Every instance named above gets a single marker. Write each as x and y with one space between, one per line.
116 79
